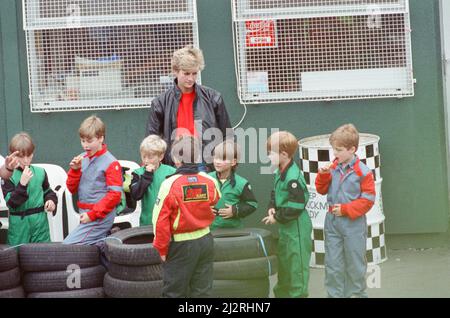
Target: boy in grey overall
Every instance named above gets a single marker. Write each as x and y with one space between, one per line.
350 190
96 176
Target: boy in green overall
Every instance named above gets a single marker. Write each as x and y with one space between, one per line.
287 207
28 196
238 200
147 179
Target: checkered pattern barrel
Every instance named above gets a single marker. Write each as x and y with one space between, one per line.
316 152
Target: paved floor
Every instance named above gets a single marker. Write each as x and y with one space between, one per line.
417 266
408 273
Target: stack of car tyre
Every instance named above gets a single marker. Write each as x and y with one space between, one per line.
243 261
135 269
10 273
55 270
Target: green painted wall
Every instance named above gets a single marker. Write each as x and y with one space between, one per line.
2 98
10 96
412 142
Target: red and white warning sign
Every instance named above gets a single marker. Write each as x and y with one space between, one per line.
260 33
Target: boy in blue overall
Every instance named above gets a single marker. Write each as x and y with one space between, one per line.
147 179
28 196
238 200
287 208
350 190
97 177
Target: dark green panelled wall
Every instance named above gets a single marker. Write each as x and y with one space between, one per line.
412 146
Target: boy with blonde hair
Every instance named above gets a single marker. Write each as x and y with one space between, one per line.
28 195
238 200
147 179
350 190
96 176
287 207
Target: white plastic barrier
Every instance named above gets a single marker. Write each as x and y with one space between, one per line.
3 212
73 218
57 179
315 153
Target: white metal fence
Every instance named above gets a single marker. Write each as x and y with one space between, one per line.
103 54
303 50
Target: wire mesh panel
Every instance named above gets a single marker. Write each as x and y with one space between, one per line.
103 54
292 50
313 8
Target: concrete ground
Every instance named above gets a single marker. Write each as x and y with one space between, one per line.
417 266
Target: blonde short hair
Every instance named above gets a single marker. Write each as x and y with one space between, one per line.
345 136
22 143
153 144
91 127
282 141
188 58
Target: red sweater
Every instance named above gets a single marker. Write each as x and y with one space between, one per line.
185 116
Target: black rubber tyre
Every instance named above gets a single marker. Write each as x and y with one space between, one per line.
132 247
47 257
249 288
17 292
79 293
10 279
117 288
251 268
235 244
44 282
136 273
8 258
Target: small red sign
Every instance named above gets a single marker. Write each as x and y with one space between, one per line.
260 33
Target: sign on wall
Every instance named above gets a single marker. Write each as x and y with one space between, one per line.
260 33
312 50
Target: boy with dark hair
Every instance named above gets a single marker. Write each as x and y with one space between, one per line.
181 220
238 200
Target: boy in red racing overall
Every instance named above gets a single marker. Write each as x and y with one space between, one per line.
181 220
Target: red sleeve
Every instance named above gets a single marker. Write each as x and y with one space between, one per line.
323 181
113 197
363 204
73 180
163 229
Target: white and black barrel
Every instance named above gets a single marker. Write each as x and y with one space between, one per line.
316 152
